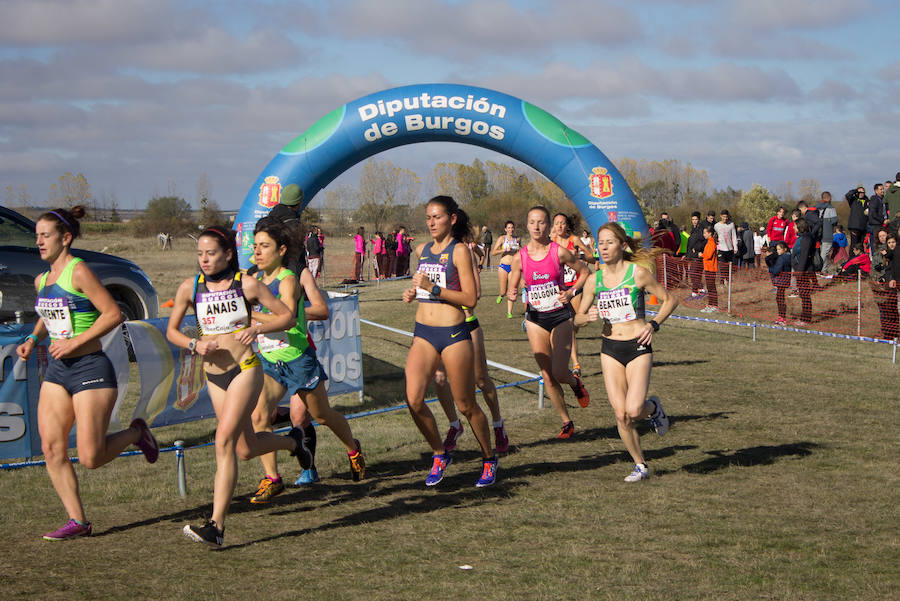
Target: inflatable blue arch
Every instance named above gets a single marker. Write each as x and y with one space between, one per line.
443 113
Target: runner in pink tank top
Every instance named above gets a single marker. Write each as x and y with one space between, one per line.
548 317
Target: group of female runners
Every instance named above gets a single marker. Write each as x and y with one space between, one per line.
234 309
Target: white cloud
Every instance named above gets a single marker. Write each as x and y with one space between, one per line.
60 22
798 14
472 29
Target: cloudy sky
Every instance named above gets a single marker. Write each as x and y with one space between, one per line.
145 96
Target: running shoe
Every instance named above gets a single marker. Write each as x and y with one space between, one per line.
501 443
659 421
440 463
581 393
452 435
567 430
641 472
147 442
509 315
801 323
576 370
357 463
301 452
208 534
488 472
499 299
307 477
268 488
781 321
72 529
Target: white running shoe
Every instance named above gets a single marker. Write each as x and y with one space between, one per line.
641 472
659 421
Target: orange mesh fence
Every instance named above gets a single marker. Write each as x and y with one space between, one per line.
854 305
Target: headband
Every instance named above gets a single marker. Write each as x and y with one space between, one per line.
66 223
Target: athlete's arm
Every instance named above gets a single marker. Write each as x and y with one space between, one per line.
498 246
409 295
179 310
587 310
567 258
318 305
644 279
39 331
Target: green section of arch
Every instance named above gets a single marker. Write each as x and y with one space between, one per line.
318 132
552 128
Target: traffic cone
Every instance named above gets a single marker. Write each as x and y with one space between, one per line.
169 303
653 300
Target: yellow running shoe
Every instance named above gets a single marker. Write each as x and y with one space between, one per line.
267 490
357 463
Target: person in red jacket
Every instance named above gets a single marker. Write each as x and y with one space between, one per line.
776 226
790 231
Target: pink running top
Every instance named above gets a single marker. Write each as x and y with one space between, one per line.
360 244
377 245
543 279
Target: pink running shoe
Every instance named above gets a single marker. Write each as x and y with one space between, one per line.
501 439
452 435
147 442
71 530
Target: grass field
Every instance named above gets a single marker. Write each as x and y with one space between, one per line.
776 481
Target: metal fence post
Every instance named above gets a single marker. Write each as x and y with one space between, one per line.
730 279
179 465
858 302
541 393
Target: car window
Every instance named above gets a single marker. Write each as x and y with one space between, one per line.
15 234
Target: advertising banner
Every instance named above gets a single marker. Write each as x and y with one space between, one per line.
443 113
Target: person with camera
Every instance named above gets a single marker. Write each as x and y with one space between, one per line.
859 206
877 214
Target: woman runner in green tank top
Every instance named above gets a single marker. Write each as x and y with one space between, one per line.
290 363
79 384
626 356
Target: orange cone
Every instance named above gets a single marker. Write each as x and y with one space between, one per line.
169 303
653 300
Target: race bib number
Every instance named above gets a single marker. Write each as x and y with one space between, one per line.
221 312
56 316
544 297
272 341
436 274
569 275
615 306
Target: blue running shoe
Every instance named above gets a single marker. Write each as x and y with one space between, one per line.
659 421
488 472
437 469
641 472
309 476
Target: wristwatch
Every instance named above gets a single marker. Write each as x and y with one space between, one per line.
192 345
654 325
435 290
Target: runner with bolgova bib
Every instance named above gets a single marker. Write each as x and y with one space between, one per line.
548 317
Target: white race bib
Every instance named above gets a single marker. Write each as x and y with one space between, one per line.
569 275
221 312
544 297
437 274
56 316
615 306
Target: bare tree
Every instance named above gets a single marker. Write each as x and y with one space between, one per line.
382 189
70 190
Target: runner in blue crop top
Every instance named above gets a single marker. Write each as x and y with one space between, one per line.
441 334
626 356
